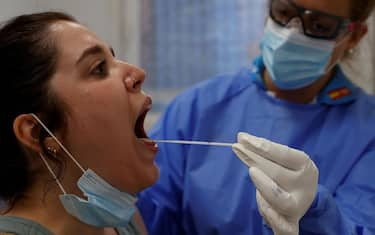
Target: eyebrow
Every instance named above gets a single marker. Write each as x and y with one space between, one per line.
93 51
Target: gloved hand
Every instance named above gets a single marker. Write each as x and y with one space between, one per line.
285 178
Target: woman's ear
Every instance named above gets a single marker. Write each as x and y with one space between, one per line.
27 130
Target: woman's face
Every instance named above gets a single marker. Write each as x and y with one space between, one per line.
106 109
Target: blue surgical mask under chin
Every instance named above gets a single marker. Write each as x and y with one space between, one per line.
292 59
105 206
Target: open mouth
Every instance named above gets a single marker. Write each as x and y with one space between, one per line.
139 129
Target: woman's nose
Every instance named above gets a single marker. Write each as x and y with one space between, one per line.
134 78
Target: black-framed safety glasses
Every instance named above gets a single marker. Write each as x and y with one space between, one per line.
316 24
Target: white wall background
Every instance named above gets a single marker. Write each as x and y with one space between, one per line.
115 21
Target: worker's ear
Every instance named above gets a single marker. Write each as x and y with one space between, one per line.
27 130
359 32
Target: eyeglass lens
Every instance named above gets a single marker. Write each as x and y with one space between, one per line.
315 23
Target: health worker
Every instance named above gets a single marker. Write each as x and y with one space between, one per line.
296 95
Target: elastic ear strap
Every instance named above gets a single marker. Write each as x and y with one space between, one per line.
53 173
58 142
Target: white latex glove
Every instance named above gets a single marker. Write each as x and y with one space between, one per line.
285 178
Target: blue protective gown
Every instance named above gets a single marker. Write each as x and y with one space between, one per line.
207 190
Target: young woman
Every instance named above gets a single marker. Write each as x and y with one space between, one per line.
74 151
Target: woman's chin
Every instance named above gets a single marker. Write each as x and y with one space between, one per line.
151 177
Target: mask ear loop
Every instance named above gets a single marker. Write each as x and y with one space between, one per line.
53 173
58 142
352 27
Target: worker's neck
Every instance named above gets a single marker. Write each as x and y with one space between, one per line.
303 95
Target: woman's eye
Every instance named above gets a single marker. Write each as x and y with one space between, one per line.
100 69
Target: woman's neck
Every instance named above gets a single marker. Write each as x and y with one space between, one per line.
45 208
303 95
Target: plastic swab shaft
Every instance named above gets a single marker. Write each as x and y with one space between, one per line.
194 142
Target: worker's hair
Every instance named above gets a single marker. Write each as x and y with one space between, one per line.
28 58
360 10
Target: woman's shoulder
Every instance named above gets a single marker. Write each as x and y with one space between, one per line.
11 225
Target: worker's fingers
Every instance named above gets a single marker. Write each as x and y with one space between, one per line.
279 224
281 154
262 207
279 174
281 200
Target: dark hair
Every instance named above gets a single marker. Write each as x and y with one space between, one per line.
28 57
360 10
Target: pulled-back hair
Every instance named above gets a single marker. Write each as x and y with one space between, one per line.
360 10
28 58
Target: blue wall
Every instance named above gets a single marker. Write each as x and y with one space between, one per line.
187 41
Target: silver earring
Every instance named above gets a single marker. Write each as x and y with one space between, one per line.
52 150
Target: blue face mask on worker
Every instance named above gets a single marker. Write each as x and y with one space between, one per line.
298 43
105 206
293 59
